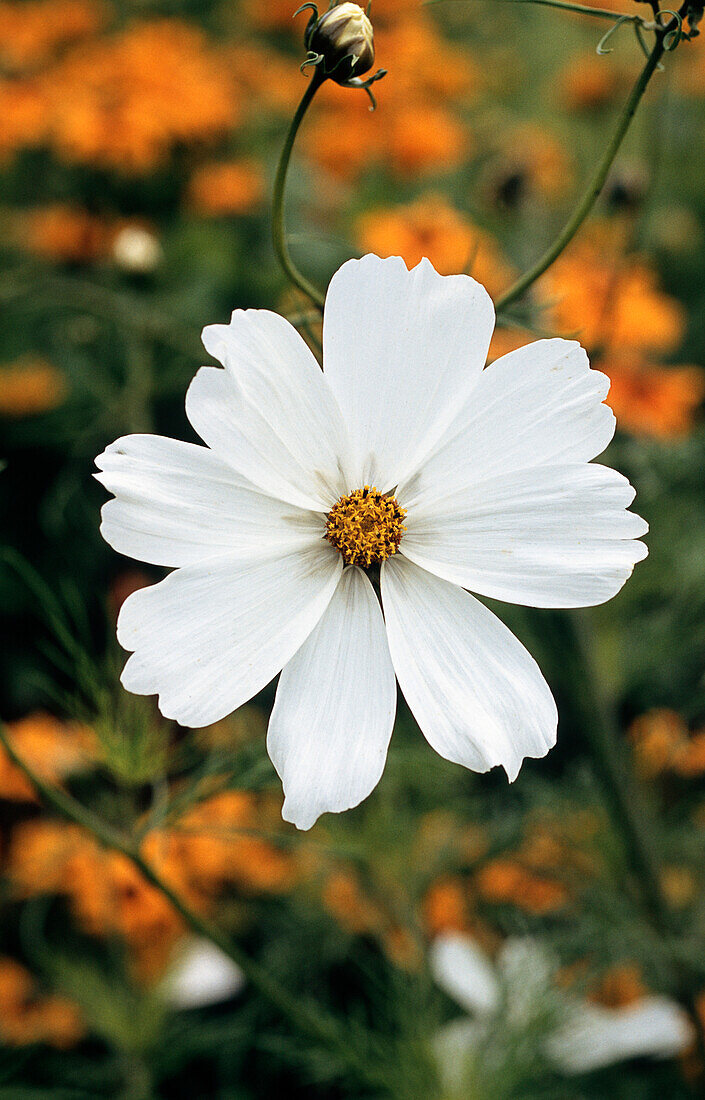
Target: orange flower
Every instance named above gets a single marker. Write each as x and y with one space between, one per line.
586 83
29 386
126 101
652 400
40 855
620 986
67 234
23 111
346 901
343 138
430 227
538 155
28 1017
428 140
425 65
505 881
264 77
218 846
608 302
54 749
662 743
233 187
505 340
30 32
445 906
691 761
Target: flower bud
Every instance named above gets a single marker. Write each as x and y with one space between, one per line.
343 38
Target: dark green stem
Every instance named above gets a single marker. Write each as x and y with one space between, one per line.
301 1016
596 183
278 231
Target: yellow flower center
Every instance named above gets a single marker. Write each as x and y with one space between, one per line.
366 526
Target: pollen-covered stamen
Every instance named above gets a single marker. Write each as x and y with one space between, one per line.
366 526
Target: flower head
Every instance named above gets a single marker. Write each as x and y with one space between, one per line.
403 459
517 991
344 38
340 44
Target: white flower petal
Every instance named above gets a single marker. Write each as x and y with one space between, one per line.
203 975
334 710
546 537
178 504
464 972
209 637
539 406
270 414
401 350
476 693
595 1036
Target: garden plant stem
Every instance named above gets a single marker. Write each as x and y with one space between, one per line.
596 183
298 1014
281 247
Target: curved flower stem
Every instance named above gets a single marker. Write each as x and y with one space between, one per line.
301 1016
631 816
563 5
278 232
596 183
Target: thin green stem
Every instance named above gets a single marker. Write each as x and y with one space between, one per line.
300 1015
581 9
278 231
596 183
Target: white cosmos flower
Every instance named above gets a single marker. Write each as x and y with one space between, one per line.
518 986
482 481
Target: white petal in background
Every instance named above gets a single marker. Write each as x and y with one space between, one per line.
462 969
209 637
547 537
595 1037
539 406
334 710
476 693
202 975
178 504
401 350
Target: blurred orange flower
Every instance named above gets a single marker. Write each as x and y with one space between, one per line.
662 743
124 102
347 902
608 301
586 83
445 906
30 32
30 385
430 227
67 234
227 187
659 401
54 749
219 846
505 881
505 340
619 986
23 112
29 1017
